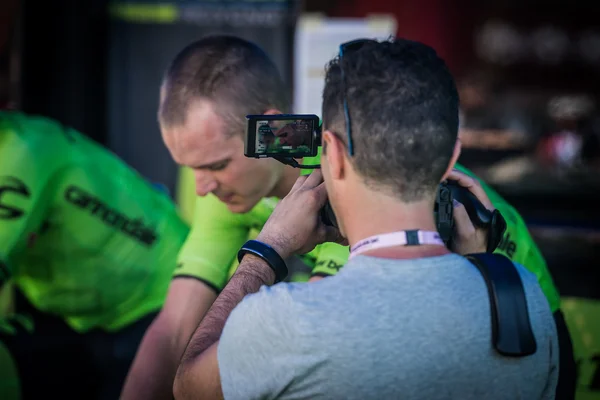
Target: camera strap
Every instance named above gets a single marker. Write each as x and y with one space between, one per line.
400 238
512 334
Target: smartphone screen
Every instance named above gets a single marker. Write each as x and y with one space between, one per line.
284 137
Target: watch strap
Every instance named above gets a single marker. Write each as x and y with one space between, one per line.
268 254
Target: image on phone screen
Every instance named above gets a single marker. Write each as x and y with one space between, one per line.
283 136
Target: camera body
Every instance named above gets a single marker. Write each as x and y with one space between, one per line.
286 137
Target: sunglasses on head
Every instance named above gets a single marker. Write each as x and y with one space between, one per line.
346 48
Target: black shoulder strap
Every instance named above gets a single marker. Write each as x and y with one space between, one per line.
511 329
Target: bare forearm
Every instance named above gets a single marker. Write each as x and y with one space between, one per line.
198 370
153 370
249 277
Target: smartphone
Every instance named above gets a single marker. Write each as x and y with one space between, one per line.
283 135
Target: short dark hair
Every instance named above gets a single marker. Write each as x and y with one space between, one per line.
403 106
232 72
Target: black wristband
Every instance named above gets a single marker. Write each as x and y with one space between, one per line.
268 254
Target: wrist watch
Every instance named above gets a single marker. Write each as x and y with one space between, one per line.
268 254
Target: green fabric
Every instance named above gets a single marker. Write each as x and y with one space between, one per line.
210 252
82 234
583 320
10 388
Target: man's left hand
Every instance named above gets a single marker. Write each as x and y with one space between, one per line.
469 238
295 226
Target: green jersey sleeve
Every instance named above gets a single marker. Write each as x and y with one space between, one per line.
24 196
331 257
213 242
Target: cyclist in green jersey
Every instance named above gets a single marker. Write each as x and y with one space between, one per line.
89 246
202 122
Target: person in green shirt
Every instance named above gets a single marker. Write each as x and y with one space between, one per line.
89 246
201 116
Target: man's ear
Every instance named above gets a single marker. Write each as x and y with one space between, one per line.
454 159
272 111
335 154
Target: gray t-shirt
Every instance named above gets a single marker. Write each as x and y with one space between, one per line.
383 329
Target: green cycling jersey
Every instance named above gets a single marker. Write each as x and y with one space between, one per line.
82 235
210 251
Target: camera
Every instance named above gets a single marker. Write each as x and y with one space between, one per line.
287 137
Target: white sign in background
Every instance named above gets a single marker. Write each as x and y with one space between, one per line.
317 41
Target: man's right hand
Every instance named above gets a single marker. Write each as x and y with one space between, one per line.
295 226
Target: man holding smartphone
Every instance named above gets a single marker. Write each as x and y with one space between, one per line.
208 89
405 318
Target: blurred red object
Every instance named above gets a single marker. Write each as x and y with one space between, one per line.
561 149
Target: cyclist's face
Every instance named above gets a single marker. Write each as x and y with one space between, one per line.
287 136
218 160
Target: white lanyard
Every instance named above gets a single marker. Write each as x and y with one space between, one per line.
401 238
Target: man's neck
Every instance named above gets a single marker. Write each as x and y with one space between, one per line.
286 182
376 215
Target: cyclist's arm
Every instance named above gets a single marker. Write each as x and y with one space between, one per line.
153 370
24 200
203 268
